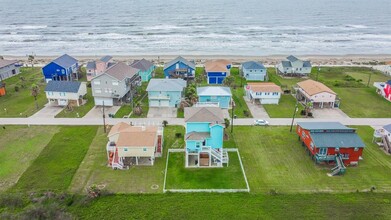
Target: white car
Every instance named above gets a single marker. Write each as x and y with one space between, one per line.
261 122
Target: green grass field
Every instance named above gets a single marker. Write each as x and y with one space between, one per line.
57 163
21 103
284 109
81 111
19 146
179 177
142 97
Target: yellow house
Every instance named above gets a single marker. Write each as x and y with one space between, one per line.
133 145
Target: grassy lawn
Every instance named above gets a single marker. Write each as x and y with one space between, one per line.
284 109
81 111
275 160
17 154
142 97
159 73
138 179
241 109
179 177
21 103
180 113
54 168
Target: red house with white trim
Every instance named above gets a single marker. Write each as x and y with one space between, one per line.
384 89
327 141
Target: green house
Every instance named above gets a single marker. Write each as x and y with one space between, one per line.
146 69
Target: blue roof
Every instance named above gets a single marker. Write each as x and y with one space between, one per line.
91 65
333 140
323 126
292 58
65 61
286 63
387 128
62 86
389 82
253 65
180 59
307 64
106 59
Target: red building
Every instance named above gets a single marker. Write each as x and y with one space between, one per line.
327 141
387 90
2 89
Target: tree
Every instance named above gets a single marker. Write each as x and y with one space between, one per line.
191 94
226 122
229 81
31 60
35 93
165 123
137 109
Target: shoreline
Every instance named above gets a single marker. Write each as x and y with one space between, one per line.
348 59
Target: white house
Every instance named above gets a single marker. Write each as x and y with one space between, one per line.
253 70
8 68
294 66
62 93
263 92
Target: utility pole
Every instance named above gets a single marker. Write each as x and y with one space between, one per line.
232 116
104 118
293 117
317 74
370 75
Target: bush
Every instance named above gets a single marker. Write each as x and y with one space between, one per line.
178 135
302 112
16 88
246 113
165 123
11 201
309 114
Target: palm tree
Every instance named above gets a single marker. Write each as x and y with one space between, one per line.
35 93
229 81
137 109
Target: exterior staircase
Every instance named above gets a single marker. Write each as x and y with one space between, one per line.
387 144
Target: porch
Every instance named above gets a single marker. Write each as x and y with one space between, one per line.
206 157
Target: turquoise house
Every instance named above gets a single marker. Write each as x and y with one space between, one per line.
204 137
214 96
165 92
146 69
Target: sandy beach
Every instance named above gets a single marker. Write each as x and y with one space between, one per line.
350 59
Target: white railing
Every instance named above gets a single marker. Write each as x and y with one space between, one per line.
207 104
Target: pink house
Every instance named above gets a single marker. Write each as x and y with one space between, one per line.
95 68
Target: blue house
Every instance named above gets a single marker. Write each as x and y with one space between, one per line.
217 70
146 69
179 68
61 69
204 137
214 96
165 92
252 70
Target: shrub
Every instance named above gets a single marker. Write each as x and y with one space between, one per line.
11 201
16 88
246 113
309 114
165 123
178 135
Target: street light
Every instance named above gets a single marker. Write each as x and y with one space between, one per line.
294 114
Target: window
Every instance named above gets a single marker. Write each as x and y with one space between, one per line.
197 144
62 93
144 149
96 82
125 149
275 93
115 83
323 151
356 149
337 149
98 91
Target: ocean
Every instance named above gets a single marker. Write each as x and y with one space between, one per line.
195 27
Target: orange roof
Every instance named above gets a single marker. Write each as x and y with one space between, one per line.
312 87
264 87
134 136
217 66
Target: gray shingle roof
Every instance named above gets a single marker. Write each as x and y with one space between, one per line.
323 126
253 65
286 64
142 64
195 136
213 115
106 59
179 59
62 86
307 64
292 58
4 63
387 128
214 91
65 61
91 65
341 140
166 85
121 71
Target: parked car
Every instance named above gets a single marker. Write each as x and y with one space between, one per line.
261 122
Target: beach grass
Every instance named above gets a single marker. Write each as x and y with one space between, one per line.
79 111
21 103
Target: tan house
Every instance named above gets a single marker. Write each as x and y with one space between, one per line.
320 95
263 92
133 145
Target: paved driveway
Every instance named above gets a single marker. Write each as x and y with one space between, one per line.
162 112
97 111
49 111
256 110
328 113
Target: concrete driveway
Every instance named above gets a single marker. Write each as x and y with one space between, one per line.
162 112
49 111
97 111
256 110
329 113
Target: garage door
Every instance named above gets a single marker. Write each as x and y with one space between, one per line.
164 103
107 101
212 80
220 80
154 103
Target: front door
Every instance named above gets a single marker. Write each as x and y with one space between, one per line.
323 151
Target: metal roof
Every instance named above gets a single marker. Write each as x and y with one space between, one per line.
292 58
253 65
166 85
91 65
62 86
334 140
106 59
180 59
387 128
65 61
213 115
142 64
323 126
286 64
214 91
